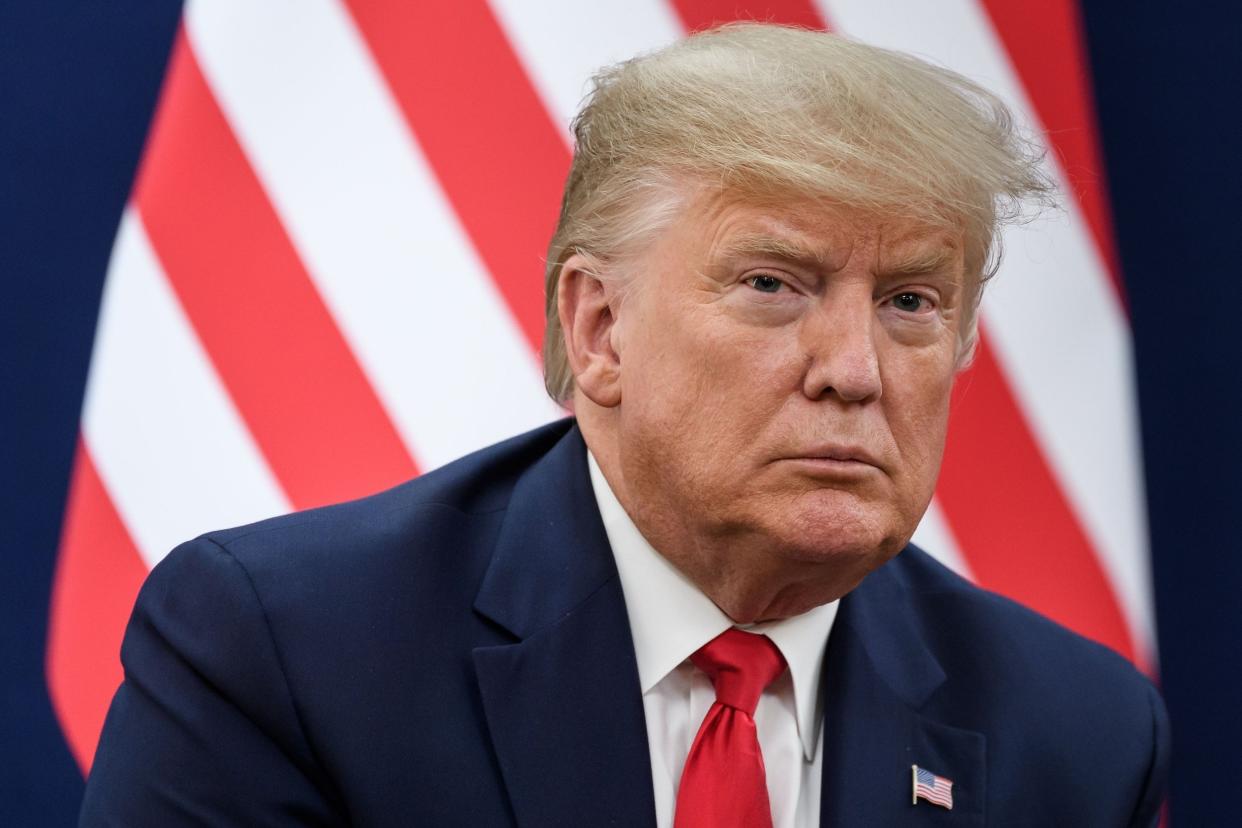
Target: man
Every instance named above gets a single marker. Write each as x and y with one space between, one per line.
693 604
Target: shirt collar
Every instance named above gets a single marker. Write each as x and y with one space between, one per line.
670 617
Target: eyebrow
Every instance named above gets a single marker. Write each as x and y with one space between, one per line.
915 263
920 262
771 247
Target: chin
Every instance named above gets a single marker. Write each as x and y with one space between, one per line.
842 529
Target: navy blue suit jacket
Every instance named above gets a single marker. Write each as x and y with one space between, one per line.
456 651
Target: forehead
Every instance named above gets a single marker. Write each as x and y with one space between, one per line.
724 226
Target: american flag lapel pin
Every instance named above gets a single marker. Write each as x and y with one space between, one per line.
937 790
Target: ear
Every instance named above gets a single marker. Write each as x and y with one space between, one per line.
586 308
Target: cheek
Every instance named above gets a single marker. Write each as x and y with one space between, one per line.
662 378
658 372
705 390
917 394
702 356
749 363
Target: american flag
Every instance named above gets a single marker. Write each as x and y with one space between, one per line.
933 788
328 278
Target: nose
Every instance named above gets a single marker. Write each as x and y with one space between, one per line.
841 354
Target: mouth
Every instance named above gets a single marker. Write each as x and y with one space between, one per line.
835 460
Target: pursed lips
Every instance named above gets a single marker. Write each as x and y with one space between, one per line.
837 456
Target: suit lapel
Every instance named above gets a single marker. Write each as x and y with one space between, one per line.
563 703
878 677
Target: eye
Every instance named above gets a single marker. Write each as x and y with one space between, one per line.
909 302
765 283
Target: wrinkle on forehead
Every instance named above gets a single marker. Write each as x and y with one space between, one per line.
744 227
815 235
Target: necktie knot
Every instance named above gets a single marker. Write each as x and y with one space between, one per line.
741 665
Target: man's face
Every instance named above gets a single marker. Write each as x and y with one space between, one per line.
785 376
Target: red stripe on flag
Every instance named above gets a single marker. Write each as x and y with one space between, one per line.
697 15
98 574
1016 528
1046 46
275 345
484 130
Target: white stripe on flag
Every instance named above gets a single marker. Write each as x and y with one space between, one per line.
367 216
1055 322
564 42
170 447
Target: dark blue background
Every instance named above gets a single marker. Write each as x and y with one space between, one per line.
78 81
1168 98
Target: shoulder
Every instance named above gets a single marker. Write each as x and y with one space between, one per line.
426 542
1053 703
1017 643
406 521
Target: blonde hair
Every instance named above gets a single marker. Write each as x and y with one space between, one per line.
766 111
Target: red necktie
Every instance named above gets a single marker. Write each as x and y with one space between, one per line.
724 784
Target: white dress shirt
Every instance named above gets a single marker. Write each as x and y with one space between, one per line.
670 618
